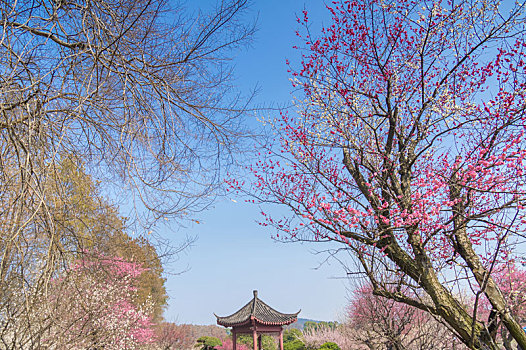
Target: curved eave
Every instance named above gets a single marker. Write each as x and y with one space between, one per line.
284 323
229 324
293 318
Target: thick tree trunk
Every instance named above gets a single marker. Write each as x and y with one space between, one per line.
473 334
464 248
489 287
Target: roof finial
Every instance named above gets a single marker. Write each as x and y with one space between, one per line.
255 293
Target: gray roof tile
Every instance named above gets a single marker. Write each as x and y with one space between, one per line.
260 311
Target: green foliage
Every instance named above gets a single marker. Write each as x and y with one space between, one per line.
311 326
208 343
150 283
245 339
267 342
295 344
89 221
291 335
292 340
329 346
82 215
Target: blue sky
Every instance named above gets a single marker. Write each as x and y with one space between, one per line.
233 254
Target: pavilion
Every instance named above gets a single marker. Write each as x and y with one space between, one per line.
257 318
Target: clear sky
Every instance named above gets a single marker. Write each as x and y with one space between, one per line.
233 254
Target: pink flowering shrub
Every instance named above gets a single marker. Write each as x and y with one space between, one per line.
91 306
314 338
228 345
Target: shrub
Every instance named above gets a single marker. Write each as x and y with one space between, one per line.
291 335
294 345
228 345
330 346
208 343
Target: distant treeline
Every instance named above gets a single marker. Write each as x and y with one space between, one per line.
306 324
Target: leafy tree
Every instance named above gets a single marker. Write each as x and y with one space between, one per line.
314 326
267 341
310 325
86 222
408 150
295 344
208 343
329 346
291 335
84 212
150 284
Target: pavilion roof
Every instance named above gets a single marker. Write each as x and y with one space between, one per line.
258 310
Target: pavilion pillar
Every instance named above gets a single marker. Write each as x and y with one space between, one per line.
234 338
255 338
281 339
259 342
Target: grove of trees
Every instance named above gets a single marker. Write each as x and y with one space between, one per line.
372 322
406 150
107 107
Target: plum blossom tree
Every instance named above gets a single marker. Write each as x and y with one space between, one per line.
381 323
92 306
512 282
408 149
341 335
172 336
